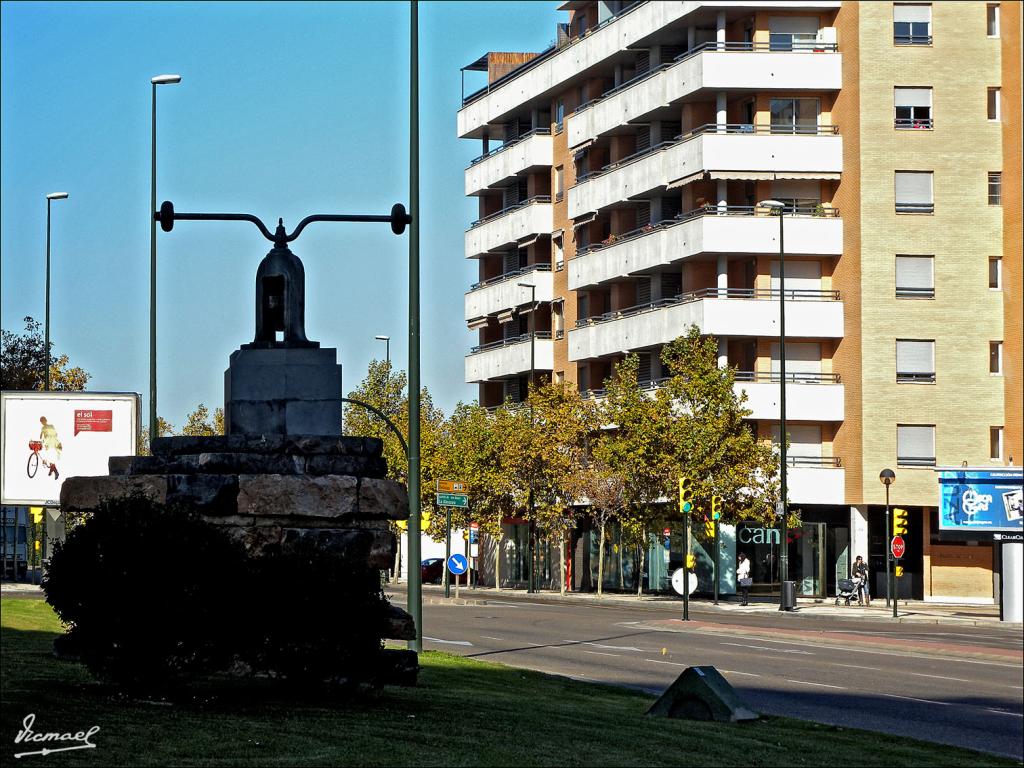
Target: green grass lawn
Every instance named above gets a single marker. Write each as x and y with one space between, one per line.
463 712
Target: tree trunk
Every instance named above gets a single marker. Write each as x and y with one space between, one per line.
398 558
497 562
561 560
640 572
600 563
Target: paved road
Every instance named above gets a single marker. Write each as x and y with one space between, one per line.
945 683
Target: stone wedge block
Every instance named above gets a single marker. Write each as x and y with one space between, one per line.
86 493
379 498
288 496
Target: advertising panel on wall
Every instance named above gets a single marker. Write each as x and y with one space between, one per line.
46 437
981 500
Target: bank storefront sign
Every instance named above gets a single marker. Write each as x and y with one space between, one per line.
981 500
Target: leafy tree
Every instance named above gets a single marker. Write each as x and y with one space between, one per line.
604 489
199 423
164 429
23 362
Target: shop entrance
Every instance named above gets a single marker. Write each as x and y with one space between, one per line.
808 555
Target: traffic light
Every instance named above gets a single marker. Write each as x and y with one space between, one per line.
899 522
685 495
716 507
899 570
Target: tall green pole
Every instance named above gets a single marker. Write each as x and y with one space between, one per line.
415 592
46 342
154 431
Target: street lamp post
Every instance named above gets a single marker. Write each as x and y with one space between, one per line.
530 586
153 425
387 349
887 477
46 341
779 209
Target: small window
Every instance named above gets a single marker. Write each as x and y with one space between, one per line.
995 442
913 108
995 273
914 192
915 362
995 357
995 188
559 115
915 277
992 20
559 183
993 103
559 253
912 24
915 445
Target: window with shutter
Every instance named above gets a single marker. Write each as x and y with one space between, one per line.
912 23
643 374
915 361
643 290
913 108
643 213
643 138
915 277
915 445
914 192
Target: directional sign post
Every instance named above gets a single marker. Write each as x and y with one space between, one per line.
458 565
898 547
453 500
450 493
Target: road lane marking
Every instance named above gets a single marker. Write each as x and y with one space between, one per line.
449 642
819 685
536 645
1004 712
491 637
940 677
672 663
913 698
599 645
766 648
734 672
858 666
602 653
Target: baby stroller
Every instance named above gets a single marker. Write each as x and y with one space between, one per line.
849 589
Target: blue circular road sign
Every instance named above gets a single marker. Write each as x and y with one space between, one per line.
458 564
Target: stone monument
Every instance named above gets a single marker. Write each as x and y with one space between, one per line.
283 477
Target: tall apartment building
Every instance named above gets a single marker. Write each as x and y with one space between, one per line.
619 185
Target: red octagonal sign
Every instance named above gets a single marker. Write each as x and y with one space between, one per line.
899 546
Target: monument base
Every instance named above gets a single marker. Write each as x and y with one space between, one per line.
283 391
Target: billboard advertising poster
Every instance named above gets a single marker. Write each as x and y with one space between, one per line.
981 500
46 437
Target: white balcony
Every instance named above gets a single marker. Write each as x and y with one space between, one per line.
505 292
741 153
659 323
807 399
505 229
737 231
816 485
540 79
504 164
753 68
509 358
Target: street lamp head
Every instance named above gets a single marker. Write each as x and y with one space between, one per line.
382 338
526 285
887 477
773 204
165 79
57 196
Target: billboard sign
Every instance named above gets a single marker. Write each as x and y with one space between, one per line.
981 500
46 437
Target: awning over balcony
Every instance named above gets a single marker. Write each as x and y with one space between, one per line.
476 323
749 176
586 218
505 316
580 147
528 241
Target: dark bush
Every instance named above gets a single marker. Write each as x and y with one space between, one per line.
155 597
146 592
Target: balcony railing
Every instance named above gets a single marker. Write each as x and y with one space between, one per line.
510 341
509 275
794 377
748 47
912 39
813 461
915 293
508 144
816 211
743 128
915 378
547 53
510 209
915 461
915 207
909 124
797 294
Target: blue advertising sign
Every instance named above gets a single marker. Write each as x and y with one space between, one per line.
981 500
458 564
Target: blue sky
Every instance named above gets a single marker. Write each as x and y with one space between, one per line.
285 109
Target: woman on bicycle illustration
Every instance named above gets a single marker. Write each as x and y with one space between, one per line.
51 446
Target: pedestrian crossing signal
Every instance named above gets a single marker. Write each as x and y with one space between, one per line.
709 528
691 561
899 570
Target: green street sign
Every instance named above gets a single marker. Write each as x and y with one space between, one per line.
453 500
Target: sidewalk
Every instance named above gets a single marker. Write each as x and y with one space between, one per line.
908 611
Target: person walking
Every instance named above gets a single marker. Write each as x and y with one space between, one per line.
743 580
859 571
